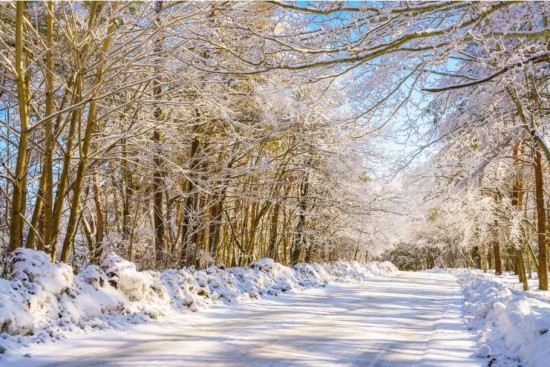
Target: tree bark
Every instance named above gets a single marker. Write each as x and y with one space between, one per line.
272 249
189 229
63 181
299 241
49 132
84 150
20 179
496 250
158 202
100 220
215 224
517 200
541 220
158 177
44 200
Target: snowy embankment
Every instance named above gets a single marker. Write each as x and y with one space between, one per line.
513 325
43 301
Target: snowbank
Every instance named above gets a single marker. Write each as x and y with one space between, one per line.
43 300
513 325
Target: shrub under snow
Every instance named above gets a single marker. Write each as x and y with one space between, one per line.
45 299
514 324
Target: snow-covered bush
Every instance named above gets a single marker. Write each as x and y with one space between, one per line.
515 324
124 276
15 316
39 285
47 299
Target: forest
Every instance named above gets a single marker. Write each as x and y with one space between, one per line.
218 133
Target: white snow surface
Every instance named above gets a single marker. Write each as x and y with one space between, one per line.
44 302
512 325
400 319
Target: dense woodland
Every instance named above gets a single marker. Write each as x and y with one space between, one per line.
199 133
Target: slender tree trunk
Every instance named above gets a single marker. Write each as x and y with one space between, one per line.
20 174
38 217
171 232
158 179
496 250
521 268
200 235
76 116
517 200
541 221
50 141
250 229
490 256
127 193
272 250
299 241
528 263
63 181
84 150
158 202
498 259
133 228
483 257
190 202
100 220
88 235
215 224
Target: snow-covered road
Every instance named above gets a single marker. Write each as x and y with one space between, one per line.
406 319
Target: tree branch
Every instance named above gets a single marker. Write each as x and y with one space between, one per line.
532 60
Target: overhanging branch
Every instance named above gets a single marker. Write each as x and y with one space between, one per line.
532 60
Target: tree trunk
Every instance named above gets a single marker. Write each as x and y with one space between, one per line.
541 221
20 174
517 200
496 250
127 193
215 224
85 146
528 263
100 220
189 229
63 181
522 273
272 249
50 141
158 202
299 241
158 177
170 222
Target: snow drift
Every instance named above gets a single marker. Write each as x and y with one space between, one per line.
513 325
44 300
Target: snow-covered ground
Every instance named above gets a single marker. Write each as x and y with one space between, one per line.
512 325
345 313
401 319
43 302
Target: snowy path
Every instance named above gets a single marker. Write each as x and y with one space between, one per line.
407 319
